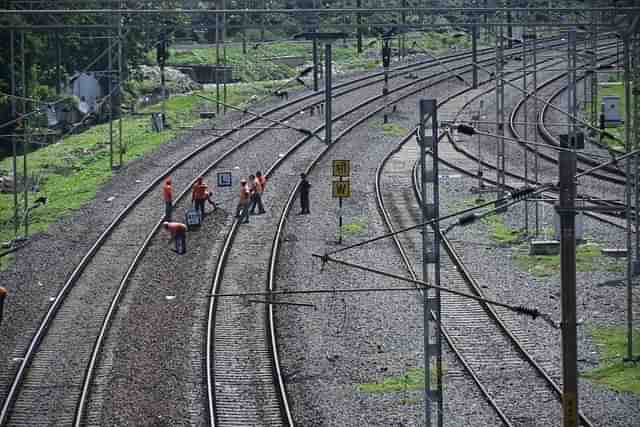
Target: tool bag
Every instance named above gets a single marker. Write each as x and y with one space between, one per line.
192 218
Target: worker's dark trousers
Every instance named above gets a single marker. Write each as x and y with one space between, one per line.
200 207
242 212
256 199
181 243
304 203
168 208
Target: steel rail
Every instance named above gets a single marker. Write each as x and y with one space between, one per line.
76 273
546 157
78 270
551 199
551 140
83 400
223 256
102 238
493 315
282 222
405 259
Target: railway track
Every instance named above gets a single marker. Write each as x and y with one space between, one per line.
463 145
517 387
58 330
246 331
80 303
276 246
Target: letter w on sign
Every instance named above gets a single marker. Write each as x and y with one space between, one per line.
341 189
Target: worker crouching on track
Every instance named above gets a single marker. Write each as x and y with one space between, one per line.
167 195
178 233
199 195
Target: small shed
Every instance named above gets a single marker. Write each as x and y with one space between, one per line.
86 87
611 109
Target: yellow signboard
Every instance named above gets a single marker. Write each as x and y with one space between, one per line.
341 189
341 168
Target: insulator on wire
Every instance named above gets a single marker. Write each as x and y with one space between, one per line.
533 312
522 193
466 129
467 219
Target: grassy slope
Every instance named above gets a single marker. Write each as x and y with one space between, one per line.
613 372
73 170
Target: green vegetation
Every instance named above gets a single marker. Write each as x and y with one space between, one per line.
548 265
356 228
613 372
413 379
394 130
500 232
256 65
71 172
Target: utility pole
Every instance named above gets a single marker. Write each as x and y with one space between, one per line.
217 32
386 62
359 23
224 58
327 95
500 161
474 54
566 211
536 172
628 148
110 89
428 140
162 55
244 30
635 77
509 26
14 115
525 129
25 134
119 97
594 67
328 38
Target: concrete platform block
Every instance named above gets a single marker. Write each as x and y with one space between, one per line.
544 247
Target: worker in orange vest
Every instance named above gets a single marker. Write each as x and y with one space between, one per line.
178 232
256 194
167 195
242 210
199 195
3 295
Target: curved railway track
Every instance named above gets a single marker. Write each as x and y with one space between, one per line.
57 331
461 146
515 384
232 358
271 285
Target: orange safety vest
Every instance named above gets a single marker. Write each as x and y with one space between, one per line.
258 185
200 192
167 192
263 182
244 194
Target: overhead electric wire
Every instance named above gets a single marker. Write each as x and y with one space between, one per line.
530 191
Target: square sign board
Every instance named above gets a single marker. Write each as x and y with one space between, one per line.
225 179
341 168
341 189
